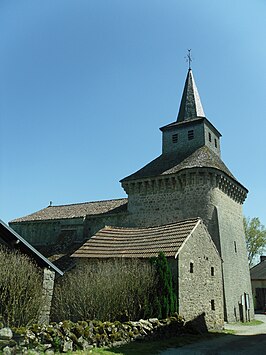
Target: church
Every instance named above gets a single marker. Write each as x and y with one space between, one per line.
185 202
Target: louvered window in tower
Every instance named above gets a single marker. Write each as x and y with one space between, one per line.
175 138
190 134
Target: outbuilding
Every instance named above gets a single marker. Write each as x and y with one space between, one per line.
191 253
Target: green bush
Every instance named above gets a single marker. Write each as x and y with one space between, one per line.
20 289
117 289
165 302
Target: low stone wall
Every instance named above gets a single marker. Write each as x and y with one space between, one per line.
67 336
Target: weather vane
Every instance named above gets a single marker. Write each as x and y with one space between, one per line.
189 58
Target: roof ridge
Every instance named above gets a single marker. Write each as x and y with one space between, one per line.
195 219
86 203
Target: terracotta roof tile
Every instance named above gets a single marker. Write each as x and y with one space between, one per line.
137 242
76 210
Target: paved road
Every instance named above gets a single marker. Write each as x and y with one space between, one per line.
248 340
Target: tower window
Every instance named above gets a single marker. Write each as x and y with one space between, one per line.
212 305
210 137
191 268
235 246
215 142
190 134
175 138
212 271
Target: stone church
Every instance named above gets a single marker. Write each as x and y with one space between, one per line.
188 181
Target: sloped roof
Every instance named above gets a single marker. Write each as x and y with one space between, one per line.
77 210
190 106
112 242
13 239
173 162
258 272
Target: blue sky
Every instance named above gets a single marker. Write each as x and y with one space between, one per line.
86 84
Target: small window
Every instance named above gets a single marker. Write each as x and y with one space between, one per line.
235 246
191 268
212 271
175 138
212 305
215 142
210 137
190 134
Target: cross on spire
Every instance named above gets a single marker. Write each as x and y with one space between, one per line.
189 58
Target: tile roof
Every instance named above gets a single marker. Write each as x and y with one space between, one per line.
77 210
137 242
172 163
258 272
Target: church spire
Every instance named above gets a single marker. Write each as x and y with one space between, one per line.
190 106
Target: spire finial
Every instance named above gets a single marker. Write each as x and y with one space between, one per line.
189 59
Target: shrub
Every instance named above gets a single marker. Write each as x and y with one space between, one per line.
20 289
165 303
117 289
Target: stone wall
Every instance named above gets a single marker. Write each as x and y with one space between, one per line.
47 232
204 134
200 279
47 295
234 254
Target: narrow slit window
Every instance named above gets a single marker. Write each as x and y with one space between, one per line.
212 305
210 137
175 138
191 268
215 142
212 271
190 134
235 246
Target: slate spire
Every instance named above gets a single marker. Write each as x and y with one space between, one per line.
190 106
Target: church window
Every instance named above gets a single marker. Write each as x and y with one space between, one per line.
190 134
191 267
210 137
212 305
235 246
175 138
212 271
215 142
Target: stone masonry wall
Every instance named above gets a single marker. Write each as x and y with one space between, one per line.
47 232
200 286
234 253
48 289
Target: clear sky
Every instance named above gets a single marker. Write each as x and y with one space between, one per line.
86 84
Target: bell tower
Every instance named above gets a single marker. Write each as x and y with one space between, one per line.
190 180
192 129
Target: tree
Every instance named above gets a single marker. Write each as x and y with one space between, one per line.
165 301
255 234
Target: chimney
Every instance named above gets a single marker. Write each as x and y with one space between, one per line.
262 258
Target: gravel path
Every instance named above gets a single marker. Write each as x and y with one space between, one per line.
247 340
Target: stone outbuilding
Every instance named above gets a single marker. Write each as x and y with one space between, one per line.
191 253
11 239
258 283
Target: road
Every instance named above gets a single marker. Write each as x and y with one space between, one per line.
247 340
